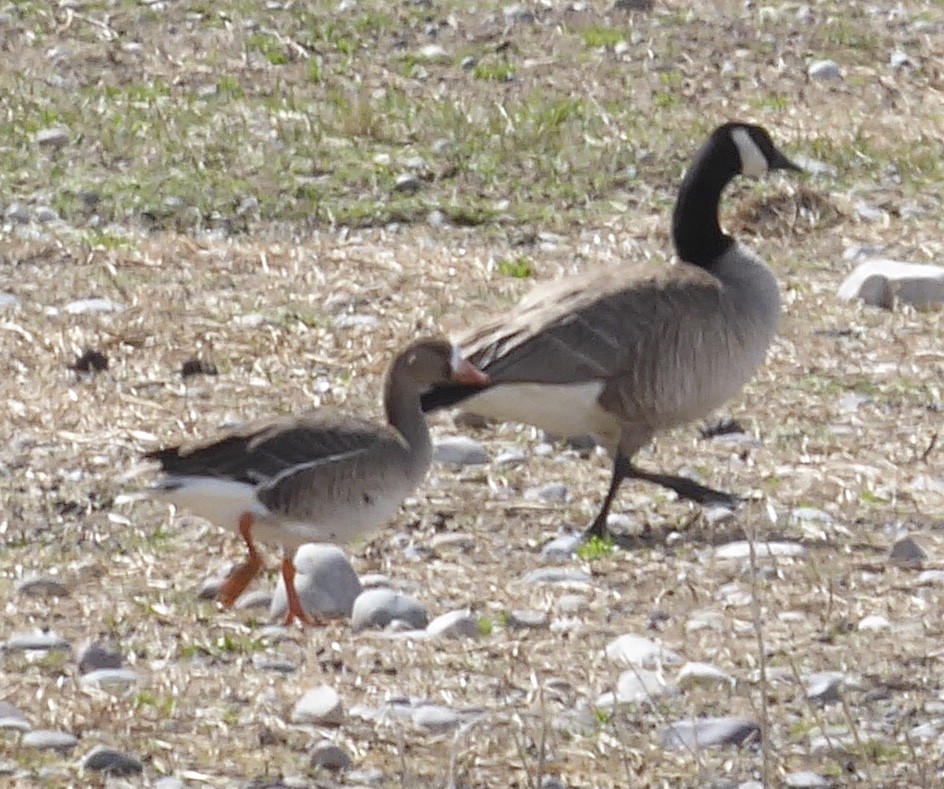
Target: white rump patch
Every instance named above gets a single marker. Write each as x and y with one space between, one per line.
753 161
220 501
564 409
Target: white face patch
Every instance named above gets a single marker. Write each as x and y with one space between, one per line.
753 161
456 358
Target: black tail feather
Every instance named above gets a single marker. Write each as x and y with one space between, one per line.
446 396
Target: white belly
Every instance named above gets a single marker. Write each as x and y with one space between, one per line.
563 409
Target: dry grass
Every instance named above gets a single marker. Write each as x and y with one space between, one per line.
263 303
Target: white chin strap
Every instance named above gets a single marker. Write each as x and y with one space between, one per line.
456 358
753 161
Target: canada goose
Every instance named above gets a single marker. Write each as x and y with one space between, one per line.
315 478
624 352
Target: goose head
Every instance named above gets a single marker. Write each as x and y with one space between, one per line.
755 150
432 361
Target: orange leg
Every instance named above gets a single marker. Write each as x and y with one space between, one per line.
295 610
237 581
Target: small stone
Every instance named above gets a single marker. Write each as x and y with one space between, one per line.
107 760
460 451
880 282
90 362
622 524
12 718
528 620
52 137
868 213
638 686
708 732
898 60
407 182
907 551
931 577
49 740
41 586
815 167
436 218
573 603
321 706
45 214
435 718
354 320
703 675
824 70
553 575
452 540
518 15
85 306
873 622
824 687
433 53
638 651
552 492
563 547
810 515
110 678
325 580
455 624
192 367
633 5
169 782
741 549
277 665
256 598
18 213
804 779
374 580
379 607
8 301
41 641
468 63
330 757
511 457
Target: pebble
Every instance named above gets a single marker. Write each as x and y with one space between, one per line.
907 551
620 523
572 603
374 580
436 218
518 15
873 622
8 301
554 575
433 53
354 320
325 580
528 620
455 624
810 515
256 598
321 705
639 651
694 674
880 282
13 718
708 732
52 137
85 306
378 607
456 540
824 69
45 214
459 451
436 718
108 760
815 167
40 640
563 546
278 665
552 492
408 183
41 586
637 686
868 213
511 457
19 213
169 782
741 549
49 740
898 60
824 687
330 756
930 577
804 779
109 678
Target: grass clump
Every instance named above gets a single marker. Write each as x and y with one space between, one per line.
596 548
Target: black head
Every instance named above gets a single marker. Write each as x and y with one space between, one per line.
752 145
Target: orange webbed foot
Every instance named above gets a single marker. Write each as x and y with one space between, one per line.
237 581
295 610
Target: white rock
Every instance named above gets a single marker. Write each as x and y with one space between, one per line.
84 306
460 451
874 622
563 546
552 493
879 282
321 705
112 678
326 583
694 674
528 620
824 69
53 136
637 686
455 624
13 718
433 53
638 651
47 739
379 607
741 549
435 717
8 301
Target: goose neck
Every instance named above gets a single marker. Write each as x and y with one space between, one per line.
696 233
402 406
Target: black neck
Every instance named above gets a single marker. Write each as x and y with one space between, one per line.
695 230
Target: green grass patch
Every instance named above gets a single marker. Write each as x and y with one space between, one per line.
600 36
517 268
596 548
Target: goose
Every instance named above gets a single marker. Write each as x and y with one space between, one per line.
624 352
318 477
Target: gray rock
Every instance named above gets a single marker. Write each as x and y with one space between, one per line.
563 547
898 60
408 183
468 63
379 607
518 15
805 779
554 575
95 656
326 583
45 214
321 705
436 218
815 167
255 598
12 718
552 492
460 451
52 137
352 320
169 782
511 457
454 540
329 756
8 301
436 718
639 651
880 282
278 665
49 740
528 620
455 624
907 551
41 586
824 70
112 678
633 5
635 687
550 782
373 580
40 641
741 549
824 687
108 760
18 213
572 603
703 675
710 732
86 306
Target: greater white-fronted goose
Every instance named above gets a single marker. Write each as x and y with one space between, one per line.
624 352
320 477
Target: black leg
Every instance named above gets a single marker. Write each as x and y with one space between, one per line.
687 488
622 469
